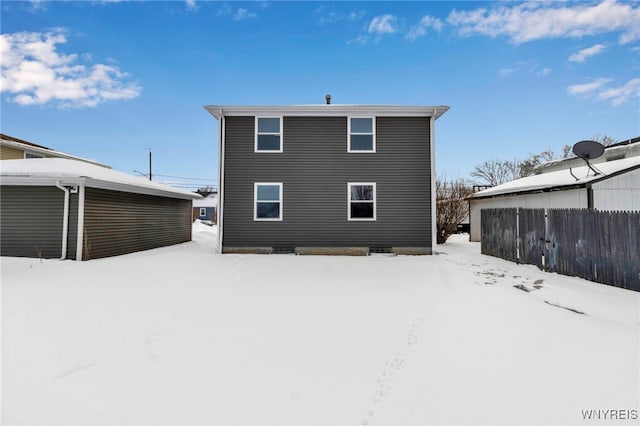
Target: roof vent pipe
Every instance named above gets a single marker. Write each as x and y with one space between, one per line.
328 99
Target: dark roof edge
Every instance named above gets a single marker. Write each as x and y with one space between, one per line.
11 138
624 142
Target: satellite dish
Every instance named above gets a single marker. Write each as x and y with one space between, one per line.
588 150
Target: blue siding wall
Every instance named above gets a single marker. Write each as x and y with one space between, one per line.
209 215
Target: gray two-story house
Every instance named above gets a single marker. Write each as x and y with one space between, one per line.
326 179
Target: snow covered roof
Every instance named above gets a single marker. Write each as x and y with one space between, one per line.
324 110
208 201
31 147
48 171
561 179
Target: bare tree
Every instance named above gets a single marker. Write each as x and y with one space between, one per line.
528 165
451 206
206 190
605 140
494 172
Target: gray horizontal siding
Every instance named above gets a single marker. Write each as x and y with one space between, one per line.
119 222
31 221
314 169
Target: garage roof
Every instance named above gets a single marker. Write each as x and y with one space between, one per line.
48 171
561 179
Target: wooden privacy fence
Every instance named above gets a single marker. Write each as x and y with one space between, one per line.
600 246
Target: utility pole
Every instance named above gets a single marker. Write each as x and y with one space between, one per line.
149 163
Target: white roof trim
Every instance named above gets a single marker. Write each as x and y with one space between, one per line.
219 111
48 171
47 152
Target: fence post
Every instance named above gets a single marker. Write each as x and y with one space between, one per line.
518 235
545 241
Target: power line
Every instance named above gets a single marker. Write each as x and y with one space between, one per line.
147 149
183 183
188 178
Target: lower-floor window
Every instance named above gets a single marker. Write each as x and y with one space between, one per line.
203 211
267 201
361 201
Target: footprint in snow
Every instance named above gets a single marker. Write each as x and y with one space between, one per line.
393 367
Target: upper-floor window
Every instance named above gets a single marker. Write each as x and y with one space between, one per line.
203 211
361 201
268 134
267 203
362 134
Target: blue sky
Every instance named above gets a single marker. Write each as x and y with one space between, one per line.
110 79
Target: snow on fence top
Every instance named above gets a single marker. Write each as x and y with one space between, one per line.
48 171
576 176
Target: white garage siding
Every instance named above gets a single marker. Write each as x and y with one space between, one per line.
620 192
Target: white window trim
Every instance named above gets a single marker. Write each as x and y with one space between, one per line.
373 133
374 201
280 133
255 202
203 211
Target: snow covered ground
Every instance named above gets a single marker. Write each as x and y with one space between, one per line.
181 335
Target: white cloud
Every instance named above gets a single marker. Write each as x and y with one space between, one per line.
421 28
224 9
37 5
355 15
191 5
586 88
542 20
239 14
242 14
330 18
544 71
622 94
333 17
361 39
506 72
530 67
617 95
36 73
583 54
383 24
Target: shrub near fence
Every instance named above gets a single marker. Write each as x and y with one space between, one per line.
600 246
